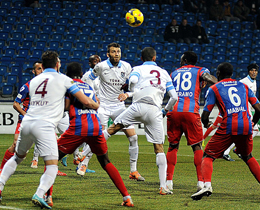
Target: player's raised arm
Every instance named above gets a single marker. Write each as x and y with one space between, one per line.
209 78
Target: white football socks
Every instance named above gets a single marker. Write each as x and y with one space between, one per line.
133 152
47 180
162 167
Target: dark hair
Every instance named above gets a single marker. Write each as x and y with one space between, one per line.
191 57
49 59
35 63
74 70
225 69
113 44
252 66
148 53
93 57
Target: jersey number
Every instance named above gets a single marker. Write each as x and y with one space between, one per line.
233 96
157 76
185 83
87 92
41 89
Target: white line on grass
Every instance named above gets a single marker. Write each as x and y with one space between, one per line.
9 207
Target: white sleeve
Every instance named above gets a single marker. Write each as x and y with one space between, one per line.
173 99
96 71
132 81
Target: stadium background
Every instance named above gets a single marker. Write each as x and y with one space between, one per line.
78 29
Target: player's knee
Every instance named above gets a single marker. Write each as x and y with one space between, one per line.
103 160
205 155
173 146
18 158
158 148
247 157
197 147
133 140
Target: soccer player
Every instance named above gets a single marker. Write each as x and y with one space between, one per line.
47 95
250 81
148 83
82 158
21 98
113 74
232 99
185 118
85 127
93 60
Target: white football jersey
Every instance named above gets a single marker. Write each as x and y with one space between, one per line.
111 80
93 83
152 84
251 84
47 96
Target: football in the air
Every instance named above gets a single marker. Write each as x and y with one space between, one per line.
134 17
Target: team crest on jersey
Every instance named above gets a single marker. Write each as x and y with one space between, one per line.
123 74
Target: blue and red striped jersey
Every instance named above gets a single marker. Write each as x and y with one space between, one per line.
83 121
186 81
232 99
23 97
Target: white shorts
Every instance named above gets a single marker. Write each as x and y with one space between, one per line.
42 133
64 123
111 111
149 115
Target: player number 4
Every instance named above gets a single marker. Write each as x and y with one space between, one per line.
41 89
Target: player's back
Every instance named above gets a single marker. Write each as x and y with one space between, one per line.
186 81
233 97
83 121
47 92
152 83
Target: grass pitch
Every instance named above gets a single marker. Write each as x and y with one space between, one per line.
234 187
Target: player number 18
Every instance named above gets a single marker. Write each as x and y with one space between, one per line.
185 83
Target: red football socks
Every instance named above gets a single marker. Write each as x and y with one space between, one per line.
6 157
171 162
116 178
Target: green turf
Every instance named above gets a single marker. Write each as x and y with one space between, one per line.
234 187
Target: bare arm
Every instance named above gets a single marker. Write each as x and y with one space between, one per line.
18 108
209 78
86 101
205 119
257 113
67 104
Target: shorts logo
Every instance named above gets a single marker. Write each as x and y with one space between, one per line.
122 74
